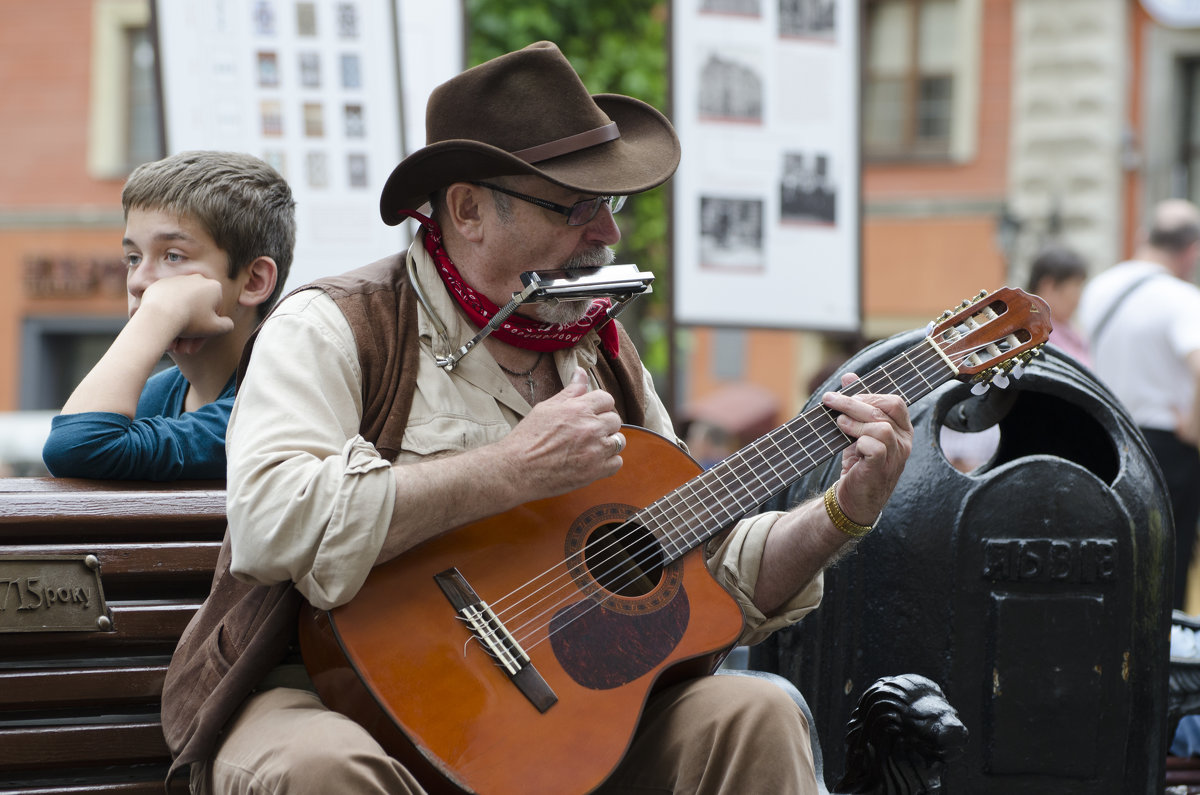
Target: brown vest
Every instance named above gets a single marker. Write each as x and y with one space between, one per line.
242 631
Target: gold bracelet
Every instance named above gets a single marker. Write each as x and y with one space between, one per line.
840 520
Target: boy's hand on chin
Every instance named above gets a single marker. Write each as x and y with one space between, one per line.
190 307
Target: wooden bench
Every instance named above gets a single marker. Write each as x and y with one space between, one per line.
79 709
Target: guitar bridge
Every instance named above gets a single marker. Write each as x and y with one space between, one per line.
496 639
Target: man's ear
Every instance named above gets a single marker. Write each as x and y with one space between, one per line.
464 210
260 281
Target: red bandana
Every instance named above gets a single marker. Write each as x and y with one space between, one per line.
520 332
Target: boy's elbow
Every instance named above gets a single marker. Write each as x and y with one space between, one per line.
61 461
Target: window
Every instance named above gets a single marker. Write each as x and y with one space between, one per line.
1188 162
919 81
57 352
125 119
144 142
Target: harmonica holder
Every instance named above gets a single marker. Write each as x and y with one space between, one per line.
620 283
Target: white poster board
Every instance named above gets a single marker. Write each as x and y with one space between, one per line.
312 87
766 200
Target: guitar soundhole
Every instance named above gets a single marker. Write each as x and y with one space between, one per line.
614 561
624 559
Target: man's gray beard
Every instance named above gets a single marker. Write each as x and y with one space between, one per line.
568 313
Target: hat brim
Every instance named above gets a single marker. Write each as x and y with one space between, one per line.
645 156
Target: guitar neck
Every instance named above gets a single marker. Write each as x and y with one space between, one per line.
710 502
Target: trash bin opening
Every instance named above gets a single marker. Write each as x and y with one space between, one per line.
1040 423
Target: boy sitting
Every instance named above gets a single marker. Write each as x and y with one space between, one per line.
208 243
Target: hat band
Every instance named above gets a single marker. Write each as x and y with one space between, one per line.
572 143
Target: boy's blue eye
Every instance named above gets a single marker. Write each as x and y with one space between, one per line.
132 260
174 256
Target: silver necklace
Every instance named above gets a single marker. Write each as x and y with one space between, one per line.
527 375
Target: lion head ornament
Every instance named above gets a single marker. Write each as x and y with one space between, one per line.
899 738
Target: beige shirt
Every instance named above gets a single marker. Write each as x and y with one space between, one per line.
310 500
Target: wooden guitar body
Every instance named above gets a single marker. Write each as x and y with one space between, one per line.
399 659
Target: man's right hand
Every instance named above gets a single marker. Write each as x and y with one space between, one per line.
567 441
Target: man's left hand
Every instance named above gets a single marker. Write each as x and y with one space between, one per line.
872 464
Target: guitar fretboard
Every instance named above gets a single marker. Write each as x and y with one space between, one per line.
706 504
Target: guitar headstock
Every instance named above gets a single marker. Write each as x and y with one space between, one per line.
985 338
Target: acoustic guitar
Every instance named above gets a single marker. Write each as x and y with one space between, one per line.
515 654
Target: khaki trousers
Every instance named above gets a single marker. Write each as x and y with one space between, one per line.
718 734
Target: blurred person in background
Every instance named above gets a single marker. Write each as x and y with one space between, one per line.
1058 274
1142 321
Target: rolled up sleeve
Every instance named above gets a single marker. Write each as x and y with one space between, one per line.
736 558
736 562
309 500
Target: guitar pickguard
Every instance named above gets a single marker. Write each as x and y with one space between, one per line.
603 649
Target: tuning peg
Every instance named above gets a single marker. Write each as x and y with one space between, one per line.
1000 380
980 387
1018 370
982 294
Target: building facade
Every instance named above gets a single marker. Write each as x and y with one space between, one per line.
990 127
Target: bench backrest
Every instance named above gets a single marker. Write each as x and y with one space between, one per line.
81 707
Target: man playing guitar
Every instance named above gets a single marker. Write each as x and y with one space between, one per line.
523 170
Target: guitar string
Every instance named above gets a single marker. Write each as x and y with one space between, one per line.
865 382
697 486
699 507
693 486
564 618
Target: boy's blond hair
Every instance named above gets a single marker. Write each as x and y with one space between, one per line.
243 203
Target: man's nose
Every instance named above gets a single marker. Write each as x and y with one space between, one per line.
603 229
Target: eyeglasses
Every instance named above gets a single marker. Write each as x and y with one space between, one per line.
578 214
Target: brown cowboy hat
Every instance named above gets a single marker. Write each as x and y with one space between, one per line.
527 112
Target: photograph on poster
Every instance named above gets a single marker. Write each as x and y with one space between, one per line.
314 120
808 19
276 159
741 8
356 170
351 71
318 169
807 193
347 16
356 125
271 113
306 19
264 18
310 69
731 90
731 234
268 69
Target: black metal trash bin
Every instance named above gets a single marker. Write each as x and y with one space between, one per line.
1035 589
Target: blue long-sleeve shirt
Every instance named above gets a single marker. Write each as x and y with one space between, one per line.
162 442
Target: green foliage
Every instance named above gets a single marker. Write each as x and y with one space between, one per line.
617 47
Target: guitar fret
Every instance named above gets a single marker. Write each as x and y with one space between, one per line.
895 386
922 375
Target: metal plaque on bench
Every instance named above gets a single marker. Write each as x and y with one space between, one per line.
52 593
